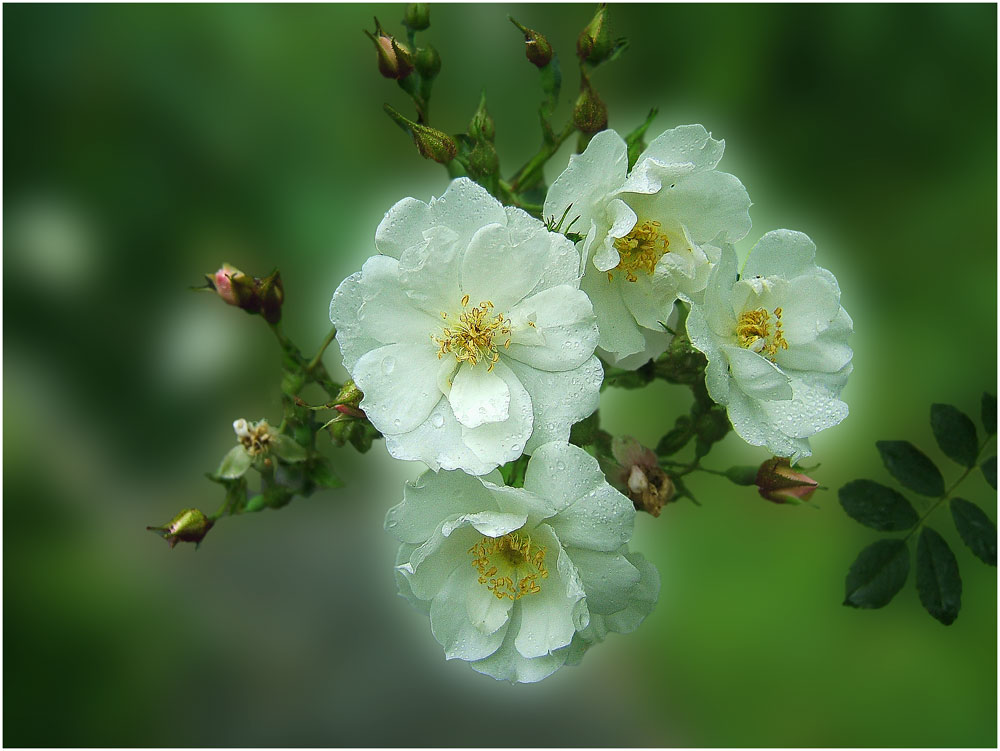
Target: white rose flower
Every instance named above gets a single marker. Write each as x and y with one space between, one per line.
509 576
776 343
469 335
650 235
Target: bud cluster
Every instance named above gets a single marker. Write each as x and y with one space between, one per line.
252 294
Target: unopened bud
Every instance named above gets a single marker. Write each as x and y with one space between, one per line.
779 483
483 161
594 45
536 47
349 394
427 61
350 411
590 114
272 296
430 142
394 59
482 127
222 281
190 525
417 16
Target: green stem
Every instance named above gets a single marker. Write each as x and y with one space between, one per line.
531 172
322 348
949 491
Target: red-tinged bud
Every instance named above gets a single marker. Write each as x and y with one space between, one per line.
222 280
779 483
394 59
536 47
590 114
190 525
350 411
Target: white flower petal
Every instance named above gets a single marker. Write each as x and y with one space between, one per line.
754 424
619 332
559 399
464 208
502 442
479 396
607 577
827 353
430 273
547 622
685 143
400 385
587 180
403 584
781 252
642 597
438 443
402 227
710 204
388 315
431 498
756 376
621 220
344 307
562 332
450 621
488 523
502 267
430 564
507 664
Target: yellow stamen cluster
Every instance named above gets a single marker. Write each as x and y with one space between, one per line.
256 438
509 566
471 338
753 330
640 249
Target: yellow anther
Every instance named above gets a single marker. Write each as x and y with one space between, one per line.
471 337
640 250
754 332
518 557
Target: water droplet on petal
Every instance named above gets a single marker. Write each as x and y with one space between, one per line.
437 421
388 363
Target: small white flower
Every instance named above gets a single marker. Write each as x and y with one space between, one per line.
469 336
776 343
510 576
650 235
257 441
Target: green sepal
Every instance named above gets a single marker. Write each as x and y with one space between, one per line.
877 574
938 581
635 141
989 468
911 467
877 506
989 413
289 450
955 434
976 529
234 464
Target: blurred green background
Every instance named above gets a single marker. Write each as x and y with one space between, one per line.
143 145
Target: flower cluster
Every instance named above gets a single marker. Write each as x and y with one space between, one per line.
475 335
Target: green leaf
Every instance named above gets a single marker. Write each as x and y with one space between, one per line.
955 434
677 438
877 506
976 529
234 464
911 467
989 468
989 413
288 450
938 581
323 476
877 574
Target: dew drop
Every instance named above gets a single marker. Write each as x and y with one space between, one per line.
560 465
388 363
437 421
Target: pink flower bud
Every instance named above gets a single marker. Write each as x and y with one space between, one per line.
779 483
223 280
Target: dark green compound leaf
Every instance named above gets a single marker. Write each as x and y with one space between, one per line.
911 467
976 529
955 434
989 468
877 574
989 413
938 582
877 506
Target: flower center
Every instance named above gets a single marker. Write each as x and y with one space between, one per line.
255 437
756 332
640 249
471 336
509 566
